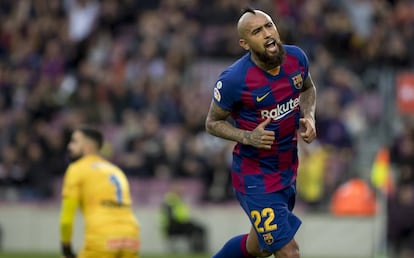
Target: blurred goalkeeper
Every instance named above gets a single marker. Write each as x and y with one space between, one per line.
101 190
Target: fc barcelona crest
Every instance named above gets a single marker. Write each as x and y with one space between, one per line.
297 81
268 238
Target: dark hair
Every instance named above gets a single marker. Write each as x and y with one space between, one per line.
248 10
93 134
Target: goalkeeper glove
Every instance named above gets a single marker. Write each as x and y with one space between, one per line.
67 251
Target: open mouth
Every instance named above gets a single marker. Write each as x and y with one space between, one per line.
271 45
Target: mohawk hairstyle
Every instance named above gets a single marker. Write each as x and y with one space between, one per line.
248 10
93 134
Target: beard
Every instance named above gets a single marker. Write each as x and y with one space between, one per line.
271 61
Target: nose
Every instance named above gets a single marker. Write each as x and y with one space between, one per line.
267 33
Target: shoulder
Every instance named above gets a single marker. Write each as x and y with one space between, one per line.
234 72
114 167
72 174
76 167
294 50
297 52
231 82
109 166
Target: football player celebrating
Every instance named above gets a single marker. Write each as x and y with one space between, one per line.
269 94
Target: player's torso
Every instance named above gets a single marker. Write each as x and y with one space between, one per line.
105 196
263 95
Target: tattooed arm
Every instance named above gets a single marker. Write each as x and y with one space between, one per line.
307 105
217 125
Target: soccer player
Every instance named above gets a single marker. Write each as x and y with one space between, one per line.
101 190
270 97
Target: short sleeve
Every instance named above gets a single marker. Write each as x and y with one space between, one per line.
226 91
303 62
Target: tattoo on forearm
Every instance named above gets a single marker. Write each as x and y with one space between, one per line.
217 125
227 131
308 99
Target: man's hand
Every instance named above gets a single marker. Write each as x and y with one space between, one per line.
259 137
309 132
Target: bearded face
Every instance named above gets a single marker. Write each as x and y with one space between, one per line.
260 36
76 145
270 59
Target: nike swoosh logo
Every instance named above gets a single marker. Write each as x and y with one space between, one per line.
258 99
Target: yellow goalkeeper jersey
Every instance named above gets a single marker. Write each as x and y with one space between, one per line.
102 191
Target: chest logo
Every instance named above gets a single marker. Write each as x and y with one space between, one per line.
297 81
258 99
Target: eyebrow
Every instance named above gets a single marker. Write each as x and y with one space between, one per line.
259 28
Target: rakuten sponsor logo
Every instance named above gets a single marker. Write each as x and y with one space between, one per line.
281 110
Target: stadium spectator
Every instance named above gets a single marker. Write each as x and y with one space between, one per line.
400 226
176 220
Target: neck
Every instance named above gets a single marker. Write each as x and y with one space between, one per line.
88 152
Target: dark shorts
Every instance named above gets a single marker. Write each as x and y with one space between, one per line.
271 216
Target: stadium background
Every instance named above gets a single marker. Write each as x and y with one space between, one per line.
143 71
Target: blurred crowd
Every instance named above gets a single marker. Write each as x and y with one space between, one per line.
143 72
400 209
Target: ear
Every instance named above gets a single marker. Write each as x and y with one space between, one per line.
244 44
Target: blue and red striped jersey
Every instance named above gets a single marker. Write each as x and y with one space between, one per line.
252 95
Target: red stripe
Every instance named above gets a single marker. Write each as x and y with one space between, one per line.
243 247
291 64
